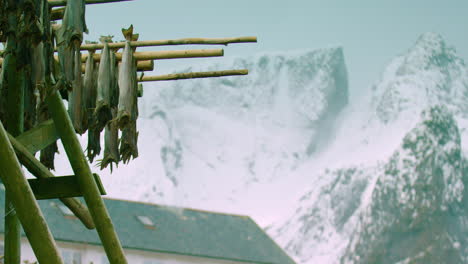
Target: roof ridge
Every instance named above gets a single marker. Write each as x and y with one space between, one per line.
178 207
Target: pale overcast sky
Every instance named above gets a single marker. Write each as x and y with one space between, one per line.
370 31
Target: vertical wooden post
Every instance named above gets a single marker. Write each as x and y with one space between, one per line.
26 206
14 124
80 166
12 233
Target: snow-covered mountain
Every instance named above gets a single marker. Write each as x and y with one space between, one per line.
218 144
395 190
379 180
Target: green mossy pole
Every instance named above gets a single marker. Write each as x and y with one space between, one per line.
26 206
91 193
14 124
41 172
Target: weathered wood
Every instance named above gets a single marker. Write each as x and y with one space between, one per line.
170 42
39 137
57 14
12 232
25 204
57 3
145 65
14 123
160 55
60 187
192 75
38 170
91 193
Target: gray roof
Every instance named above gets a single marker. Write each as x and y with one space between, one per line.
176 231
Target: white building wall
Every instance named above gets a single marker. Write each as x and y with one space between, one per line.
91 254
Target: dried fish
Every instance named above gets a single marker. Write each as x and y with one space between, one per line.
94 135
76 104
30 104
2 94
89 89
69 37
128 142
111 145
94 140
89 82
103 112
128 109
47 155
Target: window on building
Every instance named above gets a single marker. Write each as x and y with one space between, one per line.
71 257
146 221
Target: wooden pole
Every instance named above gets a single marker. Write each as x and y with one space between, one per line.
146 65
170 42
57 14
40 171
25 204
91 193
57 3
14 108
160 55
192 75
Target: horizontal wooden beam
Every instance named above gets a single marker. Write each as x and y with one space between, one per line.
145 65
39 137
160 55
56 3
192 75
38 170
59 187
57 13
170 42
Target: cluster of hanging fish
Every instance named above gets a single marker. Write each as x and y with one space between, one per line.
109 90
27 36
104 98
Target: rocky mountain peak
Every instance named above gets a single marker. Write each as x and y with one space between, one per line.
430 73
412 199
430 50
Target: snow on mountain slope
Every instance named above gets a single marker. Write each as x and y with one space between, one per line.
283 146
413 199
228 144
428 74
386 212
395 180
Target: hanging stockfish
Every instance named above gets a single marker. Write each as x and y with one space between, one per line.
115 91
47 155
3 21
103 112
94 135
128 109
128 143
127 82
76 104
30 102
2 94
94 141
111 144
89 89
37 85
111 136
69 38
